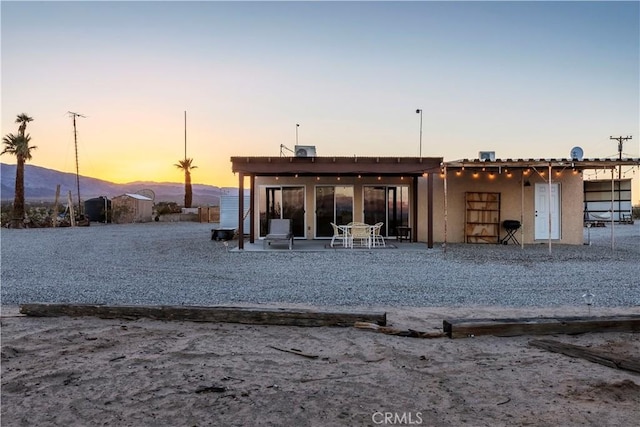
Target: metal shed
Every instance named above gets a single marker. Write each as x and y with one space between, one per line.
129 208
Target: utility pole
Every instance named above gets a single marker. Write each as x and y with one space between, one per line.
75 139
621 140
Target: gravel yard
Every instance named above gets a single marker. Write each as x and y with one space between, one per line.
178 263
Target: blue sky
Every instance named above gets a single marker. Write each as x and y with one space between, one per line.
524 79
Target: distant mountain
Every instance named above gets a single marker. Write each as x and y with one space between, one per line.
40 185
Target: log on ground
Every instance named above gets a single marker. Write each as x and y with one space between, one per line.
463 328
592 355
246 315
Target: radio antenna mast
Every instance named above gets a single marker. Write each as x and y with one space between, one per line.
75 140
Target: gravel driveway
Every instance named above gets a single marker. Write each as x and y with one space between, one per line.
178 263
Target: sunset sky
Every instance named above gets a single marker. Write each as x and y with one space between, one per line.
523 79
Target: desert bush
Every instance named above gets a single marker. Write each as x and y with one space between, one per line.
163 208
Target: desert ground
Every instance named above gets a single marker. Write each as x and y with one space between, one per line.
86 371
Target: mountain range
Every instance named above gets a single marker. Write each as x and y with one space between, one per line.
40 185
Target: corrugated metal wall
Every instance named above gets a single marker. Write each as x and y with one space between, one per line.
597 198
229 212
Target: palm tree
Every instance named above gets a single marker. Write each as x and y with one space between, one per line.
18 145
23 119
188 192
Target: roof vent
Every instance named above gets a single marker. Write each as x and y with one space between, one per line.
487 155
305 150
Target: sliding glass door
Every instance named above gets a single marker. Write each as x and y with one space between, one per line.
282 202
333 204
387 204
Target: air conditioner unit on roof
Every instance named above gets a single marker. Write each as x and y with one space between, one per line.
305 150
487 155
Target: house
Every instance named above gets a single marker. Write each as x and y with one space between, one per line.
427 198
129 208
315 191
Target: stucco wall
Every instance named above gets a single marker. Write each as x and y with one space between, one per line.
312 182
517 203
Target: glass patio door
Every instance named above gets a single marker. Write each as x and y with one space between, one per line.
333 204
387 204
282 202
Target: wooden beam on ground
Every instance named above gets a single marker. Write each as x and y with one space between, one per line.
247 315
463 328
604 358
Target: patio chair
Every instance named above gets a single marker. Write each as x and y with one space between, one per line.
376 236
361 232
338 234
279 231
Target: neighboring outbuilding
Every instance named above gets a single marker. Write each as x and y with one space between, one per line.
129 208
96 209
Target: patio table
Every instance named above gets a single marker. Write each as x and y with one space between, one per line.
349 229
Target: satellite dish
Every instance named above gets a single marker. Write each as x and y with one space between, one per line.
576 153
147 192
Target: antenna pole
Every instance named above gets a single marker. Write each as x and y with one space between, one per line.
185 135
297 126
419 111
75 139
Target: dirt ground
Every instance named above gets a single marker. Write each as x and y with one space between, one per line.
89 371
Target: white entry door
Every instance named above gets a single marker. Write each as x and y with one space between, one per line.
544 209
